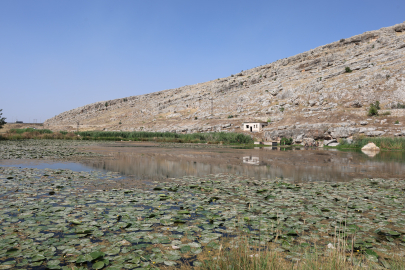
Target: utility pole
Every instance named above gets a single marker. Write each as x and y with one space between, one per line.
78 123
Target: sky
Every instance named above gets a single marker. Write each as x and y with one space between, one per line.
57 55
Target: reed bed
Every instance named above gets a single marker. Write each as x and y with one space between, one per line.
213 138
242 253
382 142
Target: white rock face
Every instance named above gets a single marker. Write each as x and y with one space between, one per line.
370 147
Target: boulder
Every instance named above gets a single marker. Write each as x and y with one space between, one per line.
333 144
327 142
370 147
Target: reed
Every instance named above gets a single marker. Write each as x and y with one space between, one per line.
382 142
225 137
243 254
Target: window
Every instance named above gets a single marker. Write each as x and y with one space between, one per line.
247 126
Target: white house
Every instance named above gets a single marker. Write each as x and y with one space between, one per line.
254 126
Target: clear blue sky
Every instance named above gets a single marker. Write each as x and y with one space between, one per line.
57 55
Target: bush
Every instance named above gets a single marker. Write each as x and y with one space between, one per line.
348 70
374 107
397 122
386 113
372 110
2 119
230 116
286 141
281 109
399 106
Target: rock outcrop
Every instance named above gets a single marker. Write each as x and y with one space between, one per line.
328 88
370 147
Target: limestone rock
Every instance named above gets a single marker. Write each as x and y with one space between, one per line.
370 147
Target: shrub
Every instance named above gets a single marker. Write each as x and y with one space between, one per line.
2 119
348 70
230 116
268 120
386 113
374 107
342 40
397 122
281 109
372 110
286 141
399 106
106 104
120 123
195 118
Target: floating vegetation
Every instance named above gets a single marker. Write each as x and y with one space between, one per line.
42 149
60 219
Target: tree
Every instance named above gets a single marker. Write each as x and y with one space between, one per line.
2 119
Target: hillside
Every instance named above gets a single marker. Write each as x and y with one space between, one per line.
307 95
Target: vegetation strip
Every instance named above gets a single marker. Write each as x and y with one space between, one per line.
212 137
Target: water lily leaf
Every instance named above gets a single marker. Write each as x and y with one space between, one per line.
169 263
53 262
98 265
38 258
184 249
97 254
84 258
113 251
371 253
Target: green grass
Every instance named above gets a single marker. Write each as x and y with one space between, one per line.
30 130
382 142
214 137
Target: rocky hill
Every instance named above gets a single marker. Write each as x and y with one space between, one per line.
321 93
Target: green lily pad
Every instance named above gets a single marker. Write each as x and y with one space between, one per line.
169 263
97 254
98 265
38 258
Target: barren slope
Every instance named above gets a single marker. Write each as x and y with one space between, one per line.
311 87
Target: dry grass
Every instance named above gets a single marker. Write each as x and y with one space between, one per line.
241 254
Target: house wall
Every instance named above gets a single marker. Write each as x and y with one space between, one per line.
256 127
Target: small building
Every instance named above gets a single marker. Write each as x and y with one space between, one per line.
254 126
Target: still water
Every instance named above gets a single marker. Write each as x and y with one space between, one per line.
150 162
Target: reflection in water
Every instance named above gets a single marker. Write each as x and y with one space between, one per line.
370 153
304 165
251 160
